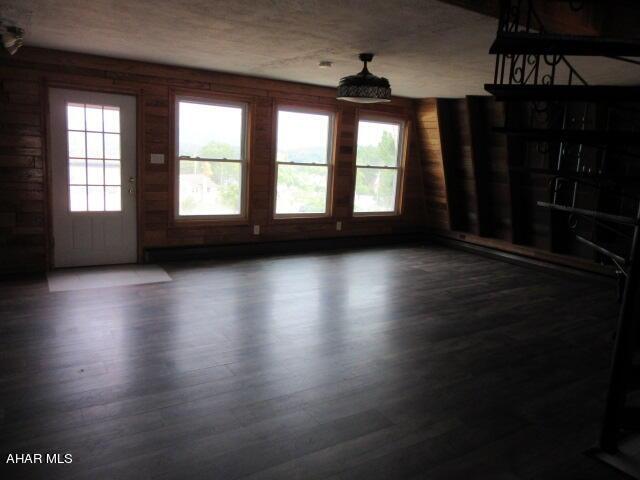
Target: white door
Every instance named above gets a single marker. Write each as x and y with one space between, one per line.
93 155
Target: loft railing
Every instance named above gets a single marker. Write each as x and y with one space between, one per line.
517 17
527 55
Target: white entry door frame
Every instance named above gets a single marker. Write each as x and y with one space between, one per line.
92 138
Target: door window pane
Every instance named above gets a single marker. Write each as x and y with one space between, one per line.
94 172
112 199
96 199
210 188
75 117
78 198
76 144
77 172
94 118
111 146
112 172
94 145
111 120
301 189
88 144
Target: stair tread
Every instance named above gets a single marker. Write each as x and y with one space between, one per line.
561 44
564 92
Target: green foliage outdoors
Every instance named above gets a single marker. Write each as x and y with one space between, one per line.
305 186
378 184
223 174
382 155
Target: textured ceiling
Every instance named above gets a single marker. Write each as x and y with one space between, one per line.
425 48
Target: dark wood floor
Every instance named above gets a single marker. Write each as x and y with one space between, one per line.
378 364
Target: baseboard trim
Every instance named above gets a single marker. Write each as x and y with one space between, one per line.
284 247
600 274
281 247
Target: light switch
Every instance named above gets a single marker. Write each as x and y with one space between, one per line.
256 229
157 158
338 225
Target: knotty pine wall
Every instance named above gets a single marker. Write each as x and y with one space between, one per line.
24 82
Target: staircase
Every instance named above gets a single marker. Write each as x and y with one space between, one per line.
585 141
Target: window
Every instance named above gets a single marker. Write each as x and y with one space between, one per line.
303 161
211 159
378 163
93 147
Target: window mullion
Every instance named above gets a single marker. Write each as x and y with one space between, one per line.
378 168
200 159
303 164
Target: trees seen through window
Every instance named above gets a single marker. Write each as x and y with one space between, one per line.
377 167
211 152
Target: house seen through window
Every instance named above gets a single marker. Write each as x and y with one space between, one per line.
211 159
303 162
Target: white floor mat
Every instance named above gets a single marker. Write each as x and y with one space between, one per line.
109 276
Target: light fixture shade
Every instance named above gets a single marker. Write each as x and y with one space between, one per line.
11 37
364 87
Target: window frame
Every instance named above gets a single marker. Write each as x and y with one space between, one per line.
239 218
400 168
331 152
86 159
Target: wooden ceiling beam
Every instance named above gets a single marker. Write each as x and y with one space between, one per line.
596 18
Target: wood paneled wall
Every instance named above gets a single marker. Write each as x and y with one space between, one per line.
433 174
24 82
23 227
470 192
457 180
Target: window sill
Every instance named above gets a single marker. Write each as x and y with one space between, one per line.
310 218
188 222
373 216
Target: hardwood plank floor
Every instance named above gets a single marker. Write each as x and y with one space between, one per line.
405 362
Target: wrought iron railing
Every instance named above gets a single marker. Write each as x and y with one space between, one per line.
579 173
518 17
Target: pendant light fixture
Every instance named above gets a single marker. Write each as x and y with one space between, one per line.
364 87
